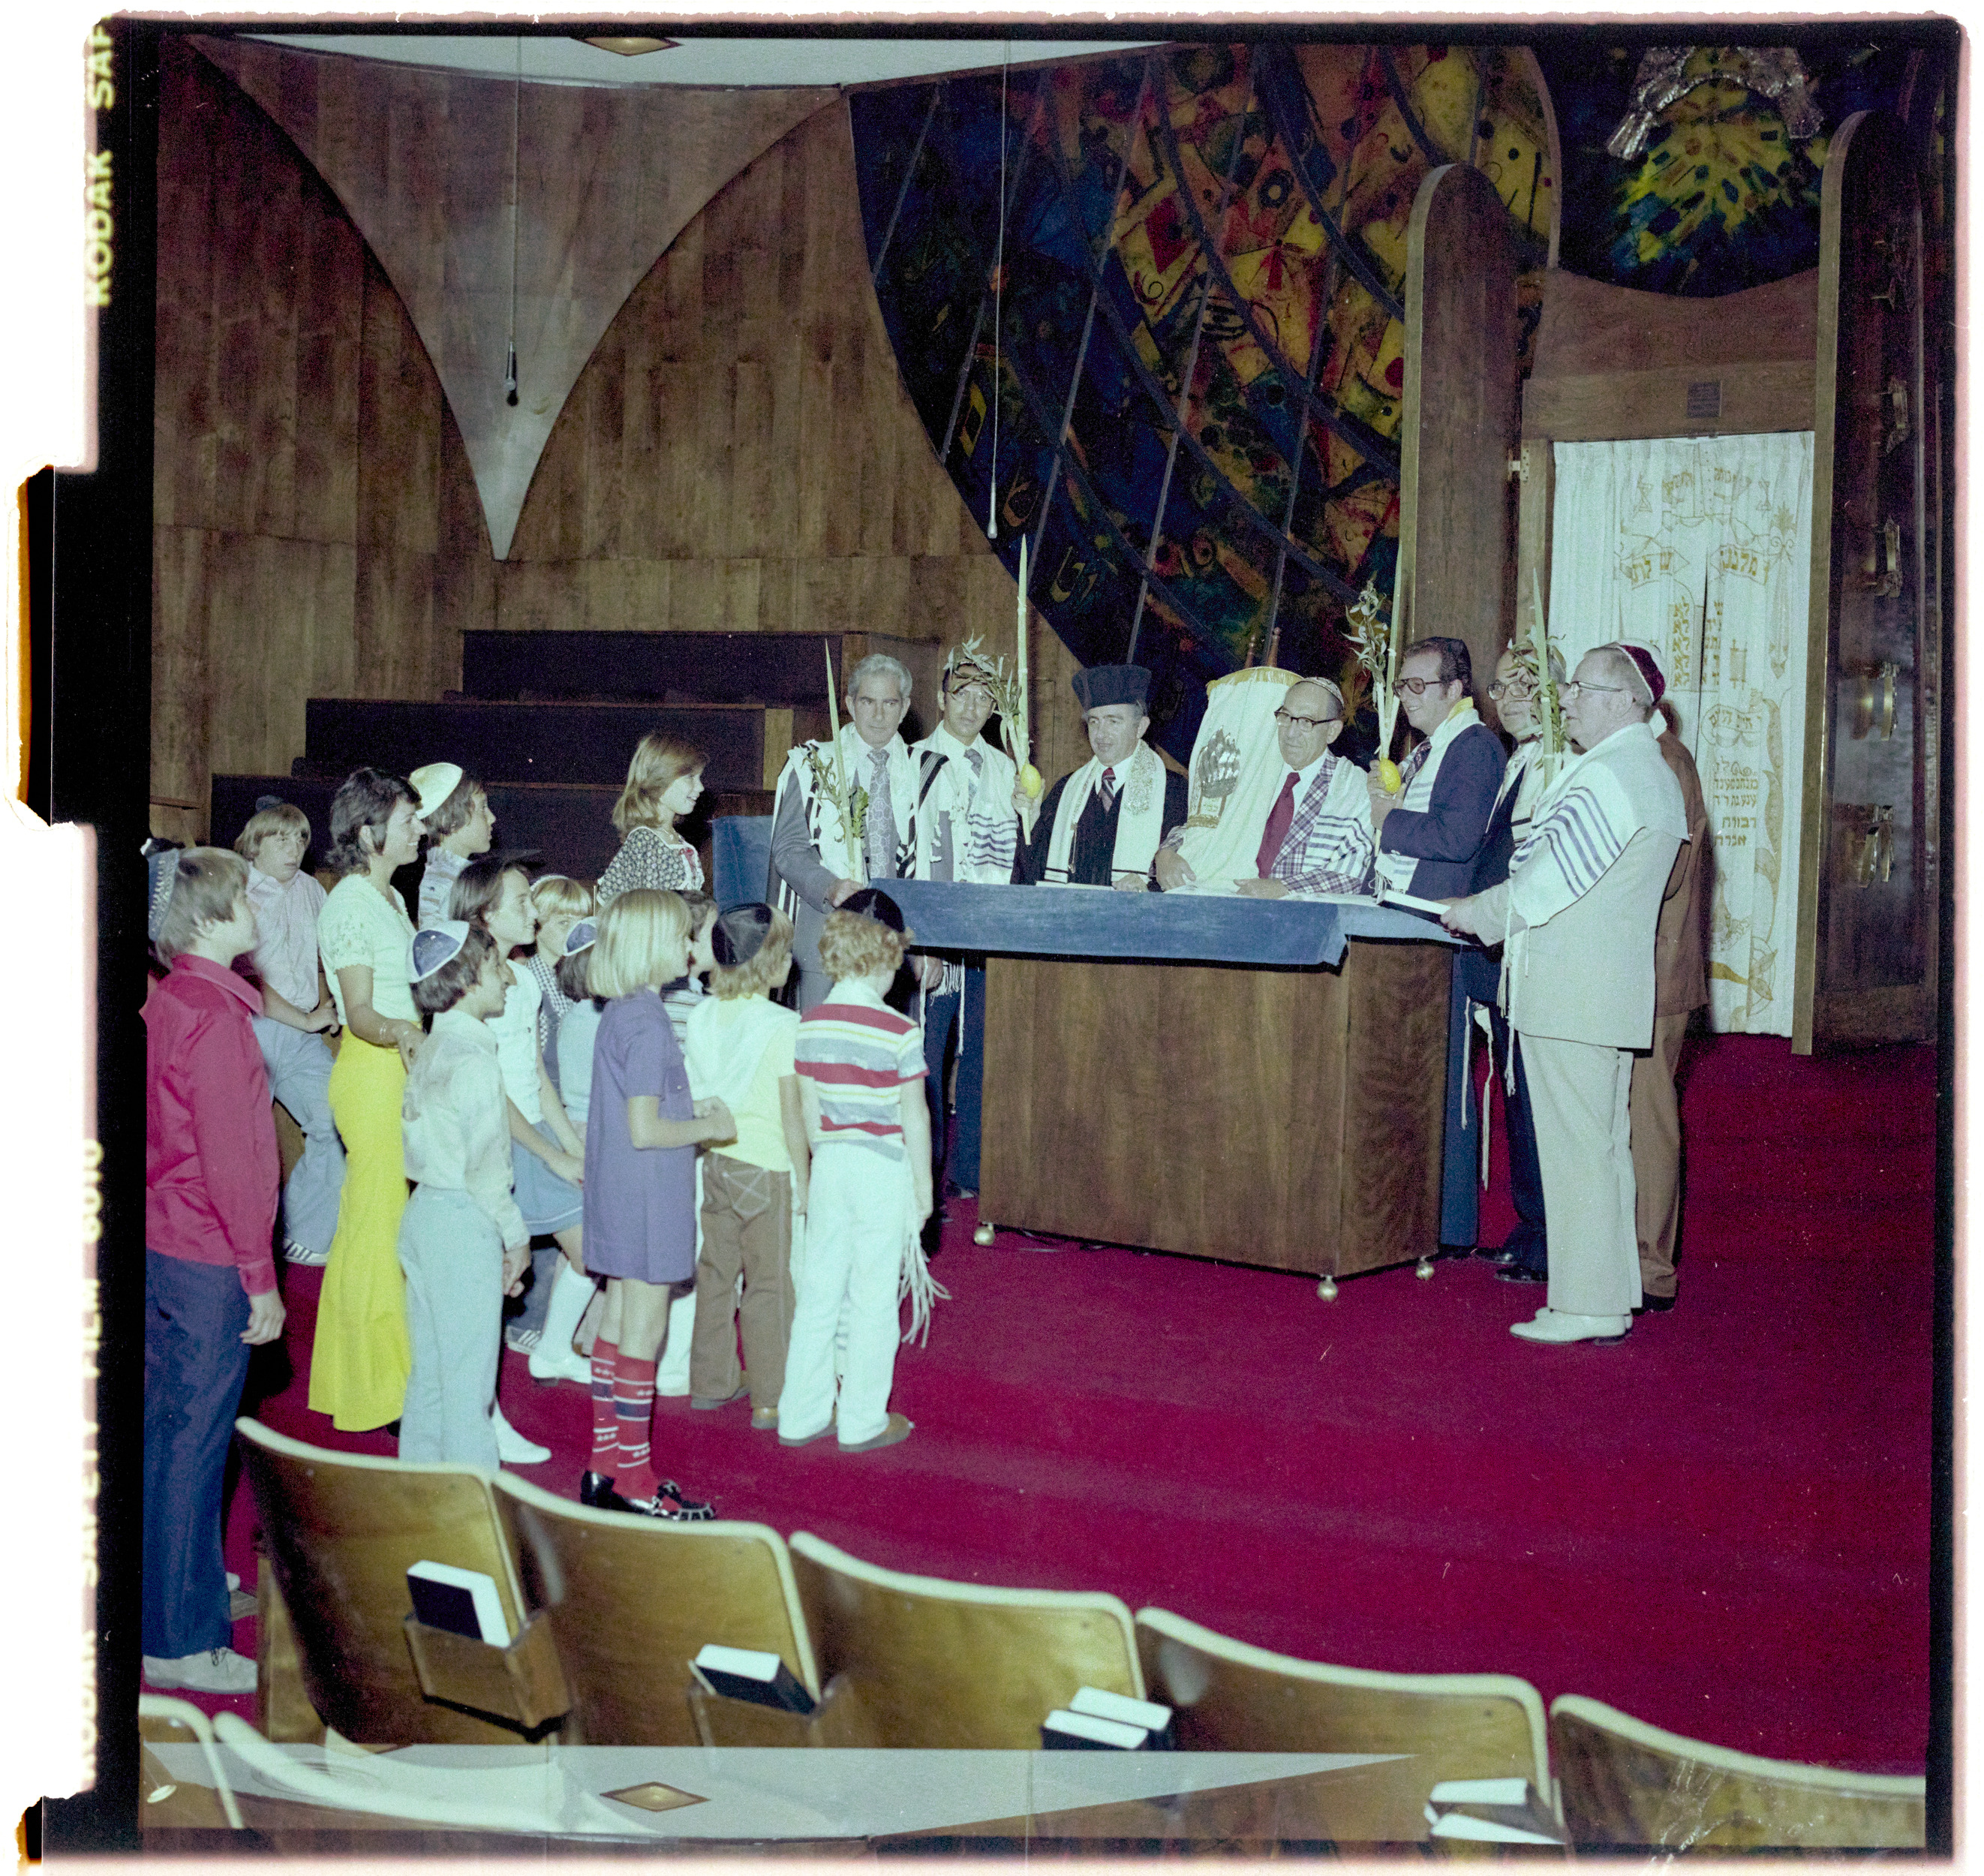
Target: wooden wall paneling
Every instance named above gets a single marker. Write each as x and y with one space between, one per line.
330 288
180 684
1589 327
182 468
464 581
1459 423
1738 399
607 180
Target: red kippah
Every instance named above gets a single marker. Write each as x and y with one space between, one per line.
1643 662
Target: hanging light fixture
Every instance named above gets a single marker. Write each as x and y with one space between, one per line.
629 48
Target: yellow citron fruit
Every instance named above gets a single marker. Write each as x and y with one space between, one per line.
1388 775
1030 783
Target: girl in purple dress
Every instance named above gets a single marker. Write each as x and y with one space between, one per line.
642 1132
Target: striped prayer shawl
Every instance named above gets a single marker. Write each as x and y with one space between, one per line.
1329 852
1583 821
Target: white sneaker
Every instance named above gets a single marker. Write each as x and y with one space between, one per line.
1555 1325
513 1449
212 1670
549 1365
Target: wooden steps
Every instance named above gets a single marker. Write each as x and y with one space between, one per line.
548 720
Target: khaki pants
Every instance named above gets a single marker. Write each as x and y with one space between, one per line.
1578 1094
1656 1121
747 1225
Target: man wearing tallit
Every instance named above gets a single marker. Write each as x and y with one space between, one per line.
1578 912
820 855
1101 825
1315 841
965 788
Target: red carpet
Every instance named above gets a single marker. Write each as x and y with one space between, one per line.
1722 1525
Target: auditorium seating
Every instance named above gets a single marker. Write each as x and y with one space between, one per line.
609 1612
933 1663
1630 1786
166 1799
630 1601
342 1530
1227 1696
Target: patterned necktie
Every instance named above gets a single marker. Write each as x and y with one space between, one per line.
881 827
1108 789
1279 818
1414 763
976 757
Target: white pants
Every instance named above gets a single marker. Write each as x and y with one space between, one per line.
453 1257
300 1066
1578 1097
860 1207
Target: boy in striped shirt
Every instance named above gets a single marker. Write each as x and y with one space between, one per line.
860 1070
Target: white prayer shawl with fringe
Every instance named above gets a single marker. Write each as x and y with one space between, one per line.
1583 822
809 767
985 832
1140 818
1396 869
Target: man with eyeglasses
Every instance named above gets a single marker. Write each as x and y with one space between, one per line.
1317 836
1577 915
1431 838
1101 825
964 790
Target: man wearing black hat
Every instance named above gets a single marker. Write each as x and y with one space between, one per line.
1101 825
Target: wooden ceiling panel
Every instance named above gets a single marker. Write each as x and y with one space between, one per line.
605 180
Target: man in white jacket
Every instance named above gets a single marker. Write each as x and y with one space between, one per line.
1579 910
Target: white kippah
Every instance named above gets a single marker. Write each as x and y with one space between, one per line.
433 783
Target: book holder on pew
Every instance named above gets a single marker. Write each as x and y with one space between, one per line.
523 1684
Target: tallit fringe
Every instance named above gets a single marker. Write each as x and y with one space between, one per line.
922 1290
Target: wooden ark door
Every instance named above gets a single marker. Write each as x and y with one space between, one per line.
1868 887
1458 430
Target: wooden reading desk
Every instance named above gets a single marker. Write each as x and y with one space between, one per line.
1252 1080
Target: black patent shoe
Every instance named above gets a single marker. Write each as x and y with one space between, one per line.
597 1489
669 1502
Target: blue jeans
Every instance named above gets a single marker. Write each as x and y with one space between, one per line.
195 1363
945 1040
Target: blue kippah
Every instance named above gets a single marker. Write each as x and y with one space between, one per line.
434 946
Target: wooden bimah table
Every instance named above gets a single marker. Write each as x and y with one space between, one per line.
1252 1080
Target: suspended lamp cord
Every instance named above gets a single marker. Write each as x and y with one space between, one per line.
516 109
998 307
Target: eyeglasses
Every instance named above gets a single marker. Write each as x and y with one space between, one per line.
1306 722
1519 688
1420 686
1565 690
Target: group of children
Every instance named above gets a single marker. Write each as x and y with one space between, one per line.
556 1068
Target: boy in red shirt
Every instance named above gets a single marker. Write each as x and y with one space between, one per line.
211 1176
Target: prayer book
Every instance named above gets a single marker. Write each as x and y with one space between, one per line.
1492 1811
1065 1731
1096 1720
463 1601
751 1674
1391 895
1100 1704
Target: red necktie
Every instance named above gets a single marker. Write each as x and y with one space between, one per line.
1279 818
1108 790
